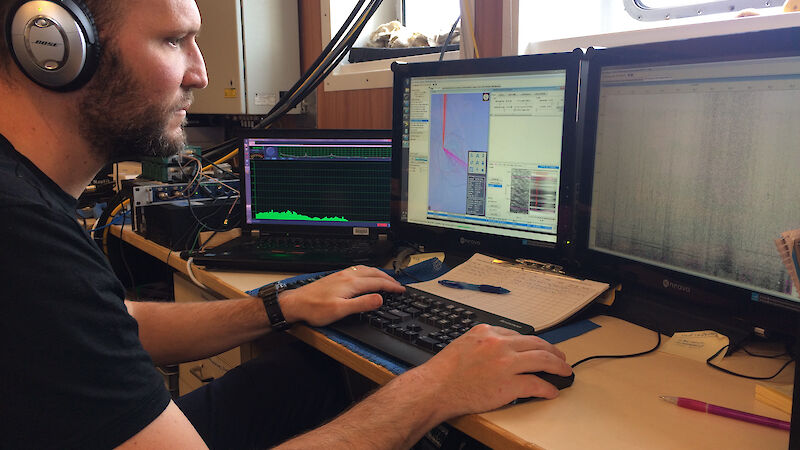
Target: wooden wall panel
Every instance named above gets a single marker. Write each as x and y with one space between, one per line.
488 27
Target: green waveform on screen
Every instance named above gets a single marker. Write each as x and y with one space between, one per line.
291 215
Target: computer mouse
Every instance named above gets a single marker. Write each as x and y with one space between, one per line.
560 382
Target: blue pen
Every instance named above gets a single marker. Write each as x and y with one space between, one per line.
474 287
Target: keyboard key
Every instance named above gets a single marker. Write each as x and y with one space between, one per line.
391 318
401 314
428 342
409 335
413 311
413 327
378 322
421 305
393 329
443 323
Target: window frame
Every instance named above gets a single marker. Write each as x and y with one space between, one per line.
377 74
639 10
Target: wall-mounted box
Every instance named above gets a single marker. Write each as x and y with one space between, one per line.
252 53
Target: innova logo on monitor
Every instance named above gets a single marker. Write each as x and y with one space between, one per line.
676 286
464 241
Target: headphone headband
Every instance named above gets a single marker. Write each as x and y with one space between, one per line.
54 42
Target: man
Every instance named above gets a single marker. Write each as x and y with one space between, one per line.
79 358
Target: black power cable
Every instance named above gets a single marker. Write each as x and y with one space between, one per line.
449 37
310 81
321 57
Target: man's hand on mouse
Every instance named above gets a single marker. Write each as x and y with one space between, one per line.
489 367
337 295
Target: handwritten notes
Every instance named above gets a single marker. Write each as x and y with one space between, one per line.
696 345
539 299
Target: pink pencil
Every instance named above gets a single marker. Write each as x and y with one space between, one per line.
727 412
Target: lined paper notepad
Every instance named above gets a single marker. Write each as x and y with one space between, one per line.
539 299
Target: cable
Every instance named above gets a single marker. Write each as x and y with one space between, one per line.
449 36
658 344
313 67
313 80
749 377
125 261
191 274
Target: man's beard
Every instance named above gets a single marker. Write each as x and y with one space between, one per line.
118 124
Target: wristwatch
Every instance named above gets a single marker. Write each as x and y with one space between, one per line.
269 295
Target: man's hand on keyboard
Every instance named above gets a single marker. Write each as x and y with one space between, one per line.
337 295
489 367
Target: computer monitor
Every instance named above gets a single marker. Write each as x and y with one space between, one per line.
692 171
483 154
318 181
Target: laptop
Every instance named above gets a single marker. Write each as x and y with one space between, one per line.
313 200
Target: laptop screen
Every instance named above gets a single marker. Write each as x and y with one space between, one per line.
317 182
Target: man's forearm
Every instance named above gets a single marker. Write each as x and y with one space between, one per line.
394 417
179 332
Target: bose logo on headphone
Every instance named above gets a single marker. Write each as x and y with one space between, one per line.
49 44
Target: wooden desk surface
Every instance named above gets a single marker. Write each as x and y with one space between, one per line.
612 404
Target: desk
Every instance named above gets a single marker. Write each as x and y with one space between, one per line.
612 404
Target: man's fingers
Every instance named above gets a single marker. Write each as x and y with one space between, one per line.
524 343
363 284
359 304
540 361
533 386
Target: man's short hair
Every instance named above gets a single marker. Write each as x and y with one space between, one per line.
106 15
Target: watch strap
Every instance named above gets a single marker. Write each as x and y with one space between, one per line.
269 295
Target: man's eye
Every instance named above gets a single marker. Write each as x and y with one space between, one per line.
174 42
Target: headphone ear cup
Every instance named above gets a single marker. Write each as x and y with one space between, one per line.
54 42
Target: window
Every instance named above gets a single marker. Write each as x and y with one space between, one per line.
426 16
649 10
562 26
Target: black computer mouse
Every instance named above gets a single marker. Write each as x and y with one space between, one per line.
560 382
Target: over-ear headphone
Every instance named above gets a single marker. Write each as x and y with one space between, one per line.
54 42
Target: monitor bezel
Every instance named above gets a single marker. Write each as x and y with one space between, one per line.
694 293
306 133
464 243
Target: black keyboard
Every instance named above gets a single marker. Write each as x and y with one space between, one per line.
413 326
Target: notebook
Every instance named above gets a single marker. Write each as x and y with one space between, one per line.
312 200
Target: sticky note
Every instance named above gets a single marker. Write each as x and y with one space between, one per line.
419 257
696 345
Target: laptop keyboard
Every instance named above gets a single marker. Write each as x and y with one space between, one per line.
342 246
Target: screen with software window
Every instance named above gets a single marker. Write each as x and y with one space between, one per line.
696 169
320 182
483 152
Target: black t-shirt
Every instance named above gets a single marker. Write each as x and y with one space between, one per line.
74 373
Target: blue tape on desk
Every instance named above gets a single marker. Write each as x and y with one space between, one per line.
368 353
570 331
